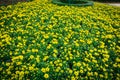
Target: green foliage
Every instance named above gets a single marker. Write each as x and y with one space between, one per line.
43 41
9 2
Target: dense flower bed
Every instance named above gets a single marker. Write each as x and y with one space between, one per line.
40 40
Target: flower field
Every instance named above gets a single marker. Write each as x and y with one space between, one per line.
44 41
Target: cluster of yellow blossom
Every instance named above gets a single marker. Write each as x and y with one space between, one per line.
40 40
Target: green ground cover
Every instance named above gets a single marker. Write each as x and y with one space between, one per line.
44 41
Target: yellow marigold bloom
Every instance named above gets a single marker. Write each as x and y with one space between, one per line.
33 41
118 65
18 63
58 69
49 46
55 51
54 55
81 71
21 73
8 72
67 58
101 75
46 36
7 64
55 41
45 58
21 57
76 73
89 41
78 64
43 70
47 69
73 78
95 61
17 72
91 50
106 56
114 65
36 50
23 52
70 71
117 59
37 59
102 45
82 40
26 72
109 36
31 68
60 64
19 37
1 68
62 71
46 76
33 50
89 73
76 44
31 56
65 42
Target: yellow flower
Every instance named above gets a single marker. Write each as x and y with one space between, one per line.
33 50
23 52
8 72
49 46
33 41
102 45
37 59
36 50
70 71
101 75
47 69
31 56
91 50
7 64
21 73
43 70
114 65
55 41
89 41
55 51
17 72
77 44
46 36
58 69
54 55
26 72
60 64
109 36
76 73
89 73
21 57
117 59
95 73
78 64
94 61
62 71
46 76
45 58
19 37
1 68
31 68
81 71
73 78
18 63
